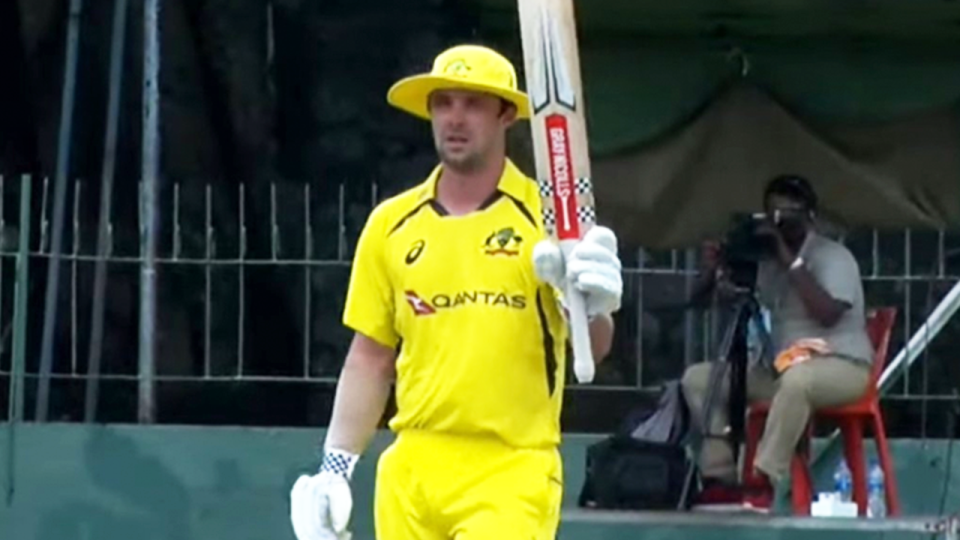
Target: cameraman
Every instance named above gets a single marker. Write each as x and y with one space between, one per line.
811 287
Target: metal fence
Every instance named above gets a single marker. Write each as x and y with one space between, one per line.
219 246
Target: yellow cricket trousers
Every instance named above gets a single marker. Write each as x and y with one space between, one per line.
434 486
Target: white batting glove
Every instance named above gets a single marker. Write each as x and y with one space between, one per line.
593 268
320 505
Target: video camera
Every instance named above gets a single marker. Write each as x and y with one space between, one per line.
744 241
745 244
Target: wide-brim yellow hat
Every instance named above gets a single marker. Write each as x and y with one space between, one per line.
464 67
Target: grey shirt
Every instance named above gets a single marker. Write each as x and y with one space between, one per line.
836 270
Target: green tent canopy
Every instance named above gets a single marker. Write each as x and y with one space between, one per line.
693 104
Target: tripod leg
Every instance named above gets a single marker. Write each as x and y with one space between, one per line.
684 502
716 373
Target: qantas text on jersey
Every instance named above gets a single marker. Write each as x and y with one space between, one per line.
433 303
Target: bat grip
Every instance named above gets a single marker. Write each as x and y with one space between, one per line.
583 365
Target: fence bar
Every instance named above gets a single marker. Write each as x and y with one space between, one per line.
689 330
274 228
341 225
148 209
74 262
307 282
59 201
207 277
176 235
907 302
18 359
44 219
641 263
242 280
103 230
4 247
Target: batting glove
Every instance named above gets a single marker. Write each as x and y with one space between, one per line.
593 268
320 505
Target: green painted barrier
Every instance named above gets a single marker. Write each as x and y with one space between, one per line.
118 482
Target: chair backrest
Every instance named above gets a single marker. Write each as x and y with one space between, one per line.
879 328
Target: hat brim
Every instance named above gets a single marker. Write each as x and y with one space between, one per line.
412 93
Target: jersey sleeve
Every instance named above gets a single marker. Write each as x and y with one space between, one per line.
369 308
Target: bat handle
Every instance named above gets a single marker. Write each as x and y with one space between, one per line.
583 365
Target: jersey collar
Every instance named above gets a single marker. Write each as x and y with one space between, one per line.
512 182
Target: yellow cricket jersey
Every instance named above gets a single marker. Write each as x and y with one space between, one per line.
482 341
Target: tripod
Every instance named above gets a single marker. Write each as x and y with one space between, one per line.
732 357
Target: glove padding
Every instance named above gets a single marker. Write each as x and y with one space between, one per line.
320 506
593 268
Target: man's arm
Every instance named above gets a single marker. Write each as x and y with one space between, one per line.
825 291
820 304
707 278
703 287
601 337
362 394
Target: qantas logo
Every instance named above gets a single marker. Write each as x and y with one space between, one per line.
419 305
443 301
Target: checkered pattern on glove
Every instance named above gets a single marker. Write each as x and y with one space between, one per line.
339 462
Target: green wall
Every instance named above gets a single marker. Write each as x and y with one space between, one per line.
119 482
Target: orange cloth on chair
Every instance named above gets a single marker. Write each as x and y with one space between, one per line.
800 351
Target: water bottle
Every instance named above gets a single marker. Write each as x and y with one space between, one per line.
876 502
843 481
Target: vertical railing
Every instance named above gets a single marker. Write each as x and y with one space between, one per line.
64 145
647 356
149 218
95 353
18 356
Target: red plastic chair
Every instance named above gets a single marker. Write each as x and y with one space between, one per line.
851 419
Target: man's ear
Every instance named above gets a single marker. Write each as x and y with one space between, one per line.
509 116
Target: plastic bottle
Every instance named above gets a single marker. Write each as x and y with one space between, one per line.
876 501
843 481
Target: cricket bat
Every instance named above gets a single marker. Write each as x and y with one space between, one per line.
552 70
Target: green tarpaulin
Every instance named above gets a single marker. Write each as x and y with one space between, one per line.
686 126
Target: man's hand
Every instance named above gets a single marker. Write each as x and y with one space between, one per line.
320 505
785 255
710 256
593 268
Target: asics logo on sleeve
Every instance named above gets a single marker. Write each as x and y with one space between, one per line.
415 251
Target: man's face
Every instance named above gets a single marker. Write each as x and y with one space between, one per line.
789 215
468 127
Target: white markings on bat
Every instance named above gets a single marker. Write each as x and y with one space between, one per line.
551 73
538 90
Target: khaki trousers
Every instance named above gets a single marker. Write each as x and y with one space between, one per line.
819 382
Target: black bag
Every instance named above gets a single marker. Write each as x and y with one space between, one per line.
644 465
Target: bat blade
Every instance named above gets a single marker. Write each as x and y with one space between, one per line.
552 70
